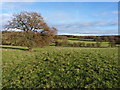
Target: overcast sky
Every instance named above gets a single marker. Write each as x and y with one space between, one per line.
76 18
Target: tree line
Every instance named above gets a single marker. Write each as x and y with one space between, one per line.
36 39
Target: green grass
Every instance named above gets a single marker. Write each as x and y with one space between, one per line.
75 41
78 39
87 39
56 67
73 38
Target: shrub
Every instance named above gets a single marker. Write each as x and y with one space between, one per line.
93 45
112 43
28 39
62 43
98 44
75 44
88 45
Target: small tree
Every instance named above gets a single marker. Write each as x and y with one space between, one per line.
35 31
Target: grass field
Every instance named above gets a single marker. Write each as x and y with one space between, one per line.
86 41
76 41
55 67
102 44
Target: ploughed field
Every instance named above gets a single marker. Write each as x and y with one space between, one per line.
55 67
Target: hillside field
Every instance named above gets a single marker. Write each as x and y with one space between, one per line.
56 67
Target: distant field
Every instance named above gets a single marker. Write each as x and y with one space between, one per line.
103 43
81 39
75 40
56 67
85 41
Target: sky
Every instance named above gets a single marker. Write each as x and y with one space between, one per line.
60 0
70 18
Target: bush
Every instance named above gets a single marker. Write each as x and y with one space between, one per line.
98 44
88 45
117 40
80 44
29 39
77 44
112 43
93 45
62 43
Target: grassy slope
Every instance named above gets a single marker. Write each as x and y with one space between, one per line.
60 67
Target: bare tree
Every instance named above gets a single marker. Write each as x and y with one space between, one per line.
33 26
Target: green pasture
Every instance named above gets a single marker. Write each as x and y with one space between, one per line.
55 67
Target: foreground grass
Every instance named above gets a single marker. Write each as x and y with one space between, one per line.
55 67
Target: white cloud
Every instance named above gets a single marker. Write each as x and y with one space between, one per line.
100 14
89 28
101 23
116 12
4 18
83 34
105 13
59 17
